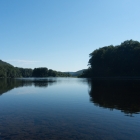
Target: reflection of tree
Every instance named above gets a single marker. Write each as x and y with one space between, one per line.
123 95
43 83
9 84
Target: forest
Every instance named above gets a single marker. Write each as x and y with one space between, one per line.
110 61
115 61
9 71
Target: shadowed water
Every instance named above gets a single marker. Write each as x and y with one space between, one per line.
69 108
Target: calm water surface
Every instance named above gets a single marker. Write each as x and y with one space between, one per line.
70 109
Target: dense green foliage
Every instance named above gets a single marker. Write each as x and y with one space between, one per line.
122 60
44 72
40 72
25 72
7 70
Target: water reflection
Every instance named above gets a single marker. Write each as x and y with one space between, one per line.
63 111
123 95
8 84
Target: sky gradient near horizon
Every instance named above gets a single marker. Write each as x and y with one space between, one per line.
60 34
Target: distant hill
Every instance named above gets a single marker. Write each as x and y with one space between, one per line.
7 70
2 63
77 73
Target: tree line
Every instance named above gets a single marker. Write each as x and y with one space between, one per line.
7 70
45 72
115 61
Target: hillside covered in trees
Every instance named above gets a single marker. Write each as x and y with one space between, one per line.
7 70
115 61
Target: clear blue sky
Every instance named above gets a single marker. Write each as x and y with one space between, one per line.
60 34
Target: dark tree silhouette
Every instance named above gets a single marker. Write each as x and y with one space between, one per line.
115 61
